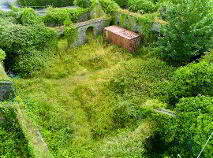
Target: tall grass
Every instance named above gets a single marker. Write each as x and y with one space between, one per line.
76 109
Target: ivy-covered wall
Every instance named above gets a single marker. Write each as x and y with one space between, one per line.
144 24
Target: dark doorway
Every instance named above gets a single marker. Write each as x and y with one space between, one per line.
89 33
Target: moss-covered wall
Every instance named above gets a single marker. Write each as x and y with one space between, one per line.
145 24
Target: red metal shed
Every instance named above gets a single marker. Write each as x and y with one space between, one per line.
122 37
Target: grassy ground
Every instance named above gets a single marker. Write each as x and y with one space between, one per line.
82 96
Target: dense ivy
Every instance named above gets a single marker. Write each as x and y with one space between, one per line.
70 32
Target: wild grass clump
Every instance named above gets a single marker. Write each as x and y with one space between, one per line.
138 79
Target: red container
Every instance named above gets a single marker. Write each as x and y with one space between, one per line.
122 37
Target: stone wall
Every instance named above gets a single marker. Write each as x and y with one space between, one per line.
137 22
6 90
97 24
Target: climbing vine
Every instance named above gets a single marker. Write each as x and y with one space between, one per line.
70 32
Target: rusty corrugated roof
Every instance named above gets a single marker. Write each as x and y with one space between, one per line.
122 32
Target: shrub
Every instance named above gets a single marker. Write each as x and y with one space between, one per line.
83 3
70 32
28 17
18 37
109 6
17 40
193 125
57 16
28 63
122 3
208 57
9 16
124 113
188 33
142 6
55 3
2 55
190 81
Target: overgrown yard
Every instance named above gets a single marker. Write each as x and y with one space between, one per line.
87 101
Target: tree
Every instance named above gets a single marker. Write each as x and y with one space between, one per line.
189 32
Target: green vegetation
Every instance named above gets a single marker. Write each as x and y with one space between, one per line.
3 75
55 3
186 134
142 6
98 100
70 32
23 34
186 36
122 3
83 3
190 81
57 16
13 143
2 56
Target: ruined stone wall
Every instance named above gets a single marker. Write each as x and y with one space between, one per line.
137 22
6 90
97 24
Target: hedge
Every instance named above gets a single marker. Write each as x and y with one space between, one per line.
57 16
55 3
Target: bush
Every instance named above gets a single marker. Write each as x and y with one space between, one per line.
57 16
28 17
187 134
122 3
30 62
9 16
17 40
55 3
2 55
190 81
109 6
17 37
70 32
188 33
83 3
208 57
142 6
124 113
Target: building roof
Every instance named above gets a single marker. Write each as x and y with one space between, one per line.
122 32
